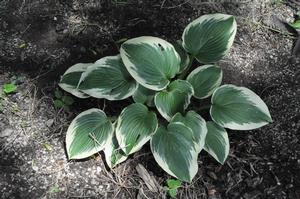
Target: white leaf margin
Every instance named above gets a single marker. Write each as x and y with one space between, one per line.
131 67
185 105
193 162
70 135
202 68
217 16
99 93
225 138
252 97
121 138
80 67
108 151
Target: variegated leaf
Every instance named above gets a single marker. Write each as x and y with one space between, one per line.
175 98
210 37
217 142
151 61
88 133
70 79
184 56
205 79
113 153
135 126
198 125
144 95
238 108
108 78
174 150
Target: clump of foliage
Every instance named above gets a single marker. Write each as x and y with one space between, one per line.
62 101
6 89
296 23
160 78
9 88
172 186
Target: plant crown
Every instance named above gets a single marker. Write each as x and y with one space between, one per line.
161 79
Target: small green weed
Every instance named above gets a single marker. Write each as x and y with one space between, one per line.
9 88
62 101
296 23
54 189
172 186
6 89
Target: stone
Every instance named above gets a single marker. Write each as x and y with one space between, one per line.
6 133
49 122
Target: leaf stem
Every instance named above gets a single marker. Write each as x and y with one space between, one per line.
112 119
204 107
185 72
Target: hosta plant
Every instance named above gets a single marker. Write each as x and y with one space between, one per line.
161 78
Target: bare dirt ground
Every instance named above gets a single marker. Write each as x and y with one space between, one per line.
39 39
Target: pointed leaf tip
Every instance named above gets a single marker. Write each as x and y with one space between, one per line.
135 126
217 142
70 79
174 150
197 124
238 108
151 61
108 78
205 80
210 37
113 153
87 134
175 98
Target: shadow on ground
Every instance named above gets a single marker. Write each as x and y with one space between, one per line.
41 38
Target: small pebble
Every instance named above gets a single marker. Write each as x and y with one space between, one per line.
6 133
49 122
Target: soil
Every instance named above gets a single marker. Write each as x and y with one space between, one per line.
39 39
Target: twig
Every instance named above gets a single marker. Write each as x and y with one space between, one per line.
117 193
295 2
92 135
260 24
171 7
271 86
81 196
106 31
104 105
235 185
11 142
26 29
276 178
22 6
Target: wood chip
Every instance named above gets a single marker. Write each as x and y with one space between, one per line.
147 178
